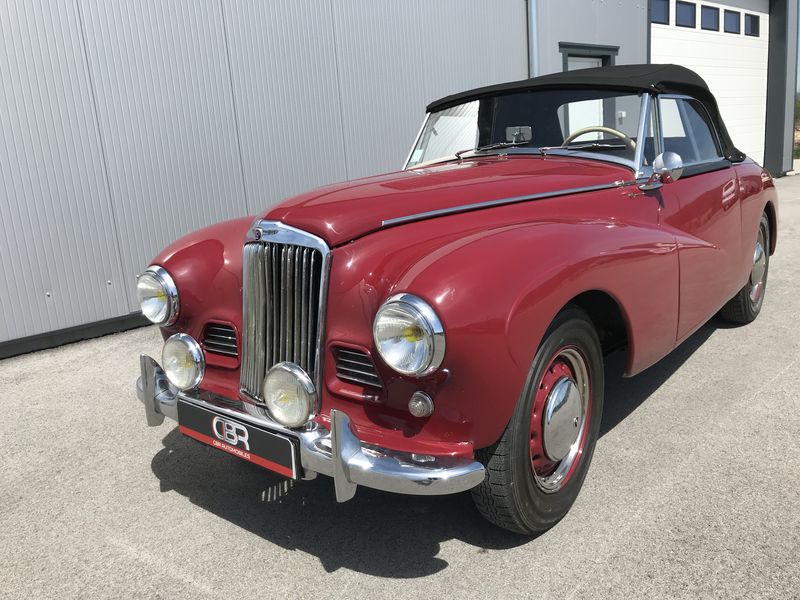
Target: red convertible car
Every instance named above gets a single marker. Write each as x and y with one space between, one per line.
443 328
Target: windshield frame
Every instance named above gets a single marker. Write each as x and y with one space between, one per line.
636 165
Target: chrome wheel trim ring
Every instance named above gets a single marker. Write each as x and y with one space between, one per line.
557 479
759 269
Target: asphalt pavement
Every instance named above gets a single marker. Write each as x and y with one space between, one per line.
694 490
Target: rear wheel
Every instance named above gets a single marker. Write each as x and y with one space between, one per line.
536 469
745 306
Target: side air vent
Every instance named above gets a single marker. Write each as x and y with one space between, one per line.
356 366
220 339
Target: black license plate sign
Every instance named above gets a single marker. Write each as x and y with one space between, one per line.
258 446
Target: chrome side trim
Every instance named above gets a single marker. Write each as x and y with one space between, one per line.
337 453
501 202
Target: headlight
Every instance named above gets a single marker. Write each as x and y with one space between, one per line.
408 335
158 296
289 394
183 362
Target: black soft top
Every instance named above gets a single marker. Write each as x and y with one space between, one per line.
667 79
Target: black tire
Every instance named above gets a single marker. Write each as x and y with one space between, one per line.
510 495
743 308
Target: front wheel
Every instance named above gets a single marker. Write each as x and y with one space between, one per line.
536 469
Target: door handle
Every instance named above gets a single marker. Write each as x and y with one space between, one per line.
729 193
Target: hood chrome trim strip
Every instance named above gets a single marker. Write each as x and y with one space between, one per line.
503 201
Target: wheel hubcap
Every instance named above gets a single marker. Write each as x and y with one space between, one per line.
562 418
759 269
561 410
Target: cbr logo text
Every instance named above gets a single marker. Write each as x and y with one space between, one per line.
230 432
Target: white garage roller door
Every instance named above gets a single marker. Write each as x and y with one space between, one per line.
734 65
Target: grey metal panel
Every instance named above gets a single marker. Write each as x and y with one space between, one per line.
622 23
395 57
166 115
287 97
125 124
379 52
470 43
56 227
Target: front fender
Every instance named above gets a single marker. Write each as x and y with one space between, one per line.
496 289
207 268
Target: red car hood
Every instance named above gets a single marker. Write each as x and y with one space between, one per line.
345 211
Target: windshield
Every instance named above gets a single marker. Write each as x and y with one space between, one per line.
602 122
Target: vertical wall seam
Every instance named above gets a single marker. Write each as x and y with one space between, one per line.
339 89
103 158
235 109
424 64
649 33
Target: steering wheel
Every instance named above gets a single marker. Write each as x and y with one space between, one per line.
600 129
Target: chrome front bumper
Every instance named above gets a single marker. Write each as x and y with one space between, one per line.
337 453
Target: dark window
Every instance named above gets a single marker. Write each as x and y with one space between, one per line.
733 22
709 18
685 14
659 11
752 25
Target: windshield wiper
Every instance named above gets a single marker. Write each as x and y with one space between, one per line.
591 146
496 146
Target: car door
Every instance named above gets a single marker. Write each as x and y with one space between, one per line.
703 209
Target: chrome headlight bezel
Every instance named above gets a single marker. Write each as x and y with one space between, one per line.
427 320
194 351
162 278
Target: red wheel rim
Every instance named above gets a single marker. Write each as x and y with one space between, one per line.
566 369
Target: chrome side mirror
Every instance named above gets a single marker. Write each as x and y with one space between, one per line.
667 168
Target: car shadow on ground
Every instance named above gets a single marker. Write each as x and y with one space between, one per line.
376 533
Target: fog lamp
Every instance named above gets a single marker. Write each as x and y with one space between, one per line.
289 394
183 361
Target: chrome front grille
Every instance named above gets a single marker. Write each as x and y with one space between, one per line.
284 286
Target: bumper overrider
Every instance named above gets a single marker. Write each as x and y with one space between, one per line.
337 453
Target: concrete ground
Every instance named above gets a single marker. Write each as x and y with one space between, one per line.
694 490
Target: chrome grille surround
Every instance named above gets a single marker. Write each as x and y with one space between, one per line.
284 294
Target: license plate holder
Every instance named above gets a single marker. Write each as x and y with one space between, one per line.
273 451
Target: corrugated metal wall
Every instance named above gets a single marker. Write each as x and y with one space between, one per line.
125 124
